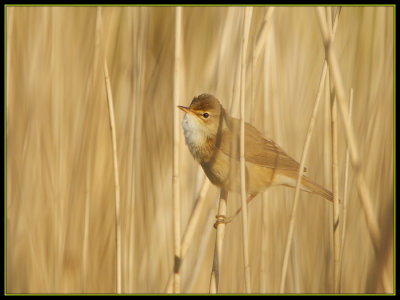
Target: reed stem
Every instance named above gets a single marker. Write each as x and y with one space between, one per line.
219 242
335 171
190 229
246 28
345 192
116 176
175 178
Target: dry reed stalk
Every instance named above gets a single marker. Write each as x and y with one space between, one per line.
132 173
195 217
264 245
8 41
235 100
9 26
57 87
335 190
116 176
85 234
175 178
202 252
266 38
226 35
327 153
116 172
86 221
335 172
225 56
190 229
219 242
264 249
301 171
334 71
140 46
234 105
246 28
213 278
326 137
261 39
252 89
345 191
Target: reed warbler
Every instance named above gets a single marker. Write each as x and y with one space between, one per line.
213 138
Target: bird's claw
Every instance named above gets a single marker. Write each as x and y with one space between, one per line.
221 219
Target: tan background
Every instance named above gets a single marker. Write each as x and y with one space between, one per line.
59 153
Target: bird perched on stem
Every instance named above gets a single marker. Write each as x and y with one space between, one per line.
213 138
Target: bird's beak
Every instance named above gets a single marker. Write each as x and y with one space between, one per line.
184 108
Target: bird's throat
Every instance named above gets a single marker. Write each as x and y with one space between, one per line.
199 140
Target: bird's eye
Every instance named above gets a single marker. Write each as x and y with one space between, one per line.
206 115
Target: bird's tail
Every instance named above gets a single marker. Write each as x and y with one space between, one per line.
317 189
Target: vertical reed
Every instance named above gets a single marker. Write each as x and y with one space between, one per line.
335 171
190 229
115 165
131 161
266 39
92 83
246 28
175 178
116 178
262 36
345 192
219 242
9 38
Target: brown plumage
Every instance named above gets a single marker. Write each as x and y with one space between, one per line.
213 138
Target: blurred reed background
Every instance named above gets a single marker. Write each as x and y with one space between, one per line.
60 184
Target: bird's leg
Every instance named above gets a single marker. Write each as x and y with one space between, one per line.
222 219
229 219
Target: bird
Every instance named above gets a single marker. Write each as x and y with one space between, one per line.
213 139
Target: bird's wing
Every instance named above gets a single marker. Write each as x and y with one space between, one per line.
258 150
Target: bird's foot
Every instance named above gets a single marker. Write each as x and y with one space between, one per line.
221 219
